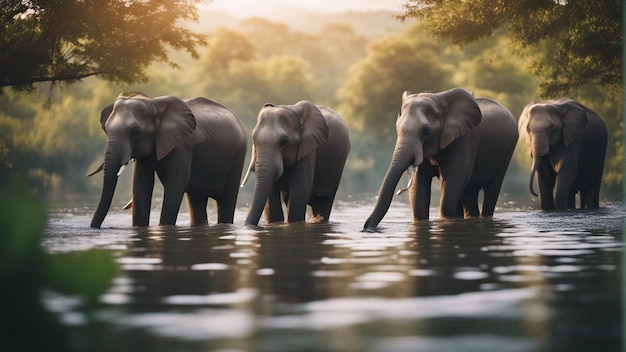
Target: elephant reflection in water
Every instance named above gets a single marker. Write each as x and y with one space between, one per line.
466 142
195 147
298 157
567 142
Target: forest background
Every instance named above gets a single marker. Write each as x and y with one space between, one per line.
358 63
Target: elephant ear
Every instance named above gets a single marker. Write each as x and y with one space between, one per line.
461 114
176 123
315 131
406 94
104 115
524 120
574 120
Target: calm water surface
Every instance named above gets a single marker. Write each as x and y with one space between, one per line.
524 281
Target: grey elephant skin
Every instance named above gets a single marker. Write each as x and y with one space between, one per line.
298 157
466 142
195 147
567 143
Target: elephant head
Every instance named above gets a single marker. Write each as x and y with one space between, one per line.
139 127
427 124
282 137
548 126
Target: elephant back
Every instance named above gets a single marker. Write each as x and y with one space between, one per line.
332 155
339 131
216 124
498 138
595 131
497 123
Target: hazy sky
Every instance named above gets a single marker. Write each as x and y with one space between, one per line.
245 8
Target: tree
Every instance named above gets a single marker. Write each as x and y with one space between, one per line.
233 72
584 37
68 40
371 96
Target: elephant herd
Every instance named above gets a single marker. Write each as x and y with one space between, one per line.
197 147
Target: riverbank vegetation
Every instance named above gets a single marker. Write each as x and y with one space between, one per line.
52 135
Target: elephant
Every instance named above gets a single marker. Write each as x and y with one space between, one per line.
466 142
567 143
299 153
195 147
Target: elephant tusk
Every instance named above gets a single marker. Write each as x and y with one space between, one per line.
123 167
121 170
100 168
128 205
411 172
246 178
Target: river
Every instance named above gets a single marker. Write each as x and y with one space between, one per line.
526 280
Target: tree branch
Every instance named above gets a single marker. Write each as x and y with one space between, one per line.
64 77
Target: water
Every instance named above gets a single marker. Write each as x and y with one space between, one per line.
524 281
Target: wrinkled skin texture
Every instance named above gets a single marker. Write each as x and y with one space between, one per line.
298 157
567 142
466 142
195 147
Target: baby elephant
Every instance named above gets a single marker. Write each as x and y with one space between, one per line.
567 142
298 156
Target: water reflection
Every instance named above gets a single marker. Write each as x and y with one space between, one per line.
523 281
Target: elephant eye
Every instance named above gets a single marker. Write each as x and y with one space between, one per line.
527 128
426 132
283 141
135 132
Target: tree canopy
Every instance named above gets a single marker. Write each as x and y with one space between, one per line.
68 40
371 95
584 37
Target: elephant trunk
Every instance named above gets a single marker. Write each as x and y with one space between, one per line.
533 172
539 149
112 164
263 183
402 159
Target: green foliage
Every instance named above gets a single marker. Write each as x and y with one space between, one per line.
52 41
54 137
583 38
27 272
494 69
232 75
91 273
370 97
44 137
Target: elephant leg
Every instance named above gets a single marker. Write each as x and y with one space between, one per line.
451 191
226 209
456 164
174 171
585 195
469 200
143 186
197 209
299 180
321 207
594 196
571 200
564 189
563 192
420 192
453 182
459 211
172 198
546 181
492 192
274 206
227 202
